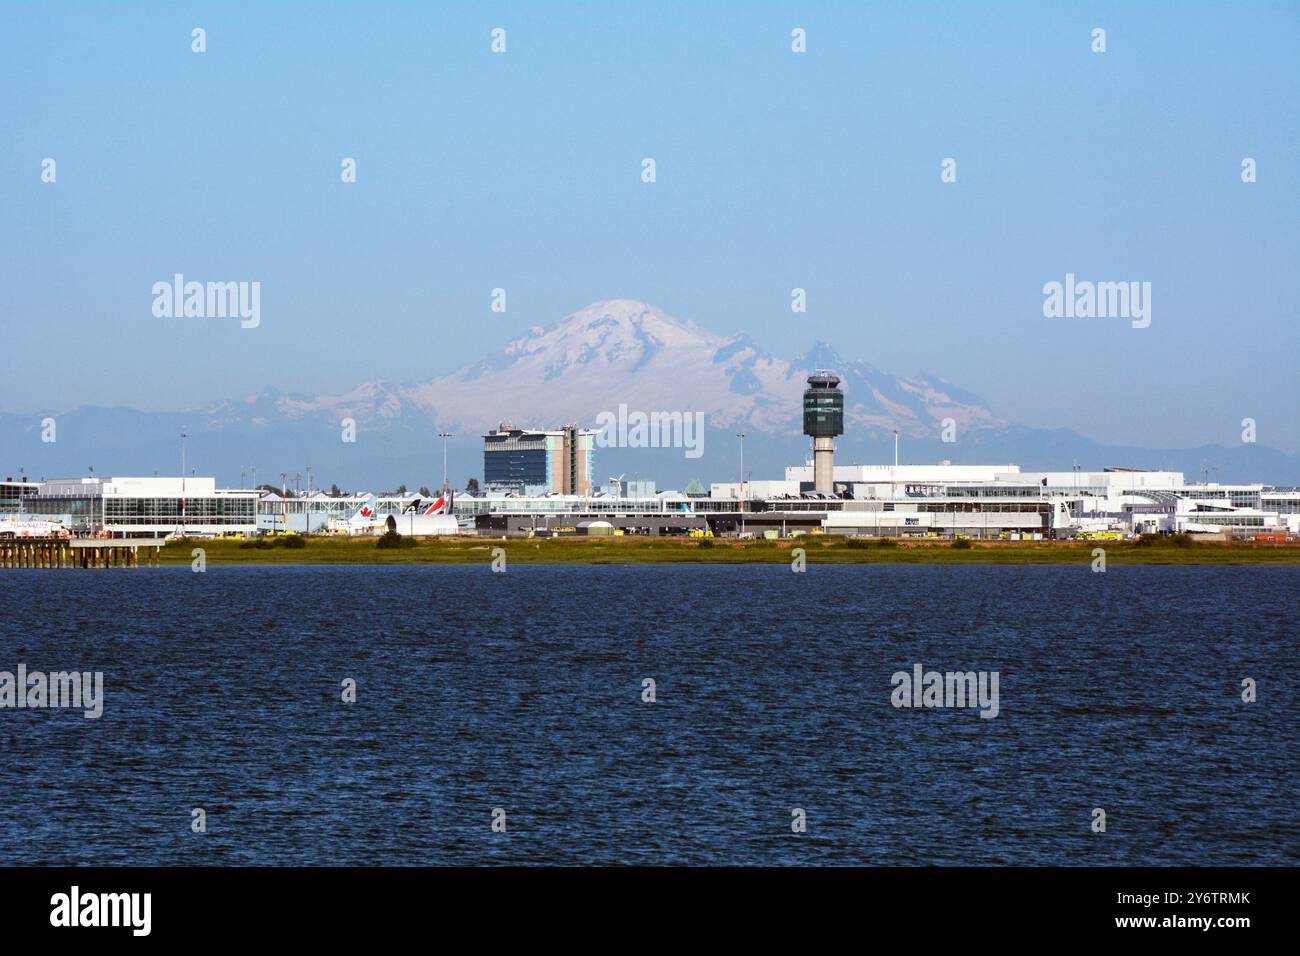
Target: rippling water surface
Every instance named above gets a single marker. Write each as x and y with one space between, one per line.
523 691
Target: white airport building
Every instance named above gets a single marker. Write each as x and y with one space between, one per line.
1003 500
142 507
945 500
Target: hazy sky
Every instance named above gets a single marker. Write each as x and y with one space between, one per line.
774 170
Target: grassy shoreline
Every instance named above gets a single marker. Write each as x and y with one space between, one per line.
818 550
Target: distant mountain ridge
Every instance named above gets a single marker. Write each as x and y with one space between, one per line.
616 351
625 352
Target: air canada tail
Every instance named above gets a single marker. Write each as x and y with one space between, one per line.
366 513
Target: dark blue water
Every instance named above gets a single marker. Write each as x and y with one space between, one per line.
523 691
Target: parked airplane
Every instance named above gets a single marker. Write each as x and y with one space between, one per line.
365 518
418 517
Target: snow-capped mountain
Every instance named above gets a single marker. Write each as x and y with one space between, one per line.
621 351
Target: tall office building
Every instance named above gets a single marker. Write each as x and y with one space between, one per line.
538 461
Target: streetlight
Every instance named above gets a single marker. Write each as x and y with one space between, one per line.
741 436
444 436
893 475
306 505
184 435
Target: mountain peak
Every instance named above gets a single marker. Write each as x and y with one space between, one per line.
625 351
822 355
635 320
619 306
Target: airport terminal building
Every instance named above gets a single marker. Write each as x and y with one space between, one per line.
143 507
942 500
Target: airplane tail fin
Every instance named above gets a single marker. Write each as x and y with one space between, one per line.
365 512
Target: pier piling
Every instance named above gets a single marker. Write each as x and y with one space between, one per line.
78 552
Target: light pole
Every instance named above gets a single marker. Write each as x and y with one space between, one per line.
444 436
893 476
741 436
184 435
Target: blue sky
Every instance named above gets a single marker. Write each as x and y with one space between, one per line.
775 170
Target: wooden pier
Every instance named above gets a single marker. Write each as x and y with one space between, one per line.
79 552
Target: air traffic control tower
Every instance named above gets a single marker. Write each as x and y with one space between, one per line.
823 419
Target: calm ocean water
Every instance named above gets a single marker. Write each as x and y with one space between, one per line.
523 691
